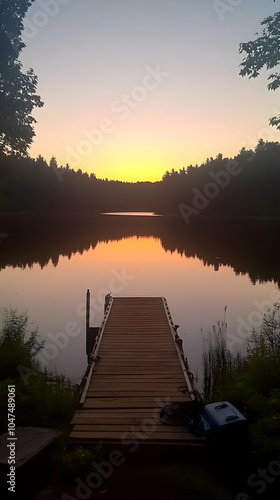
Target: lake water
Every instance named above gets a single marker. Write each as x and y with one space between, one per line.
48 263
134 214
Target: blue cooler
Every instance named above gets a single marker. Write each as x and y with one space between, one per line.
221 417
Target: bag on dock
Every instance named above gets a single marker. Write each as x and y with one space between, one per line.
186 413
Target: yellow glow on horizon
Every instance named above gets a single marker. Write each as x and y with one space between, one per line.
128 157
133 154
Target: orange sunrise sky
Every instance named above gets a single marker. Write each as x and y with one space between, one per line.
135 88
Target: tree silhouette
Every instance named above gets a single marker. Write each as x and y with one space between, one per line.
17 89
53 163
264 52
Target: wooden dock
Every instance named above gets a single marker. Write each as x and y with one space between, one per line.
136 368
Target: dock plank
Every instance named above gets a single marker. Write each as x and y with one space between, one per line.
122 437
139 369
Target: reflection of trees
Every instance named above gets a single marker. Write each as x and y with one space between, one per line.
249 246
39 239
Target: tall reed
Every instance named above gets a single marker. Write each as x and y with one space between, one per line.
219 363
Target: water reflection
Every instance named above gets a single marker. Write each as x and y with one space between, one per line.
48 263
133 214
248 246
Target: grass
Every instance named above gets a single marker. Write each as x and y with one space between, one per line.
42 399
197 481
250 382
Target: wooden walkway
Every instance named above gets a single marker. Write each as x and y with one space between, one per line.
137 368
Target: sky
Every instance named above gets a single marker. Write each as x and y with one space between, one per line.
132 88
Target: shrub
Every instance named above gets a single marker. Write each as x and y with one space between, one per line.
42 399
251 383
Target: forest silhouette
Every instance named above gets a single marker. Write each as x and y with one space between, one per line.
246 185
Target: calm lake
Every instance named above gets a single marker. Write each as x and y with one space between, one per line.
48 263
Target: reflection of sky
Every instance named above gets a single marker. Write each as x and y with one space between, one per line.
138 266
134 214
91 54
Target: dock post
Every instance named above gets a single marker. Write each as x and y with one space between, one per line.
107 301
87 311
